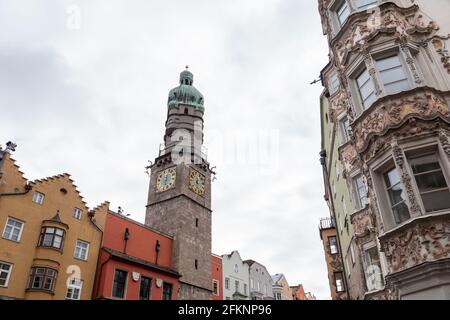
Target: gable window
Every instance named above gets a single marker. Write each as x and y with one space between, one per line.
343 12
339 281
74 289
145 288
167 291
81 250
365 4
360 191
119 284
5 273
396 195
13 229
332 242
333 85
366 88
51 237
431 182
392 74
42 279
215 287
38 198
227 283
345 129
77 213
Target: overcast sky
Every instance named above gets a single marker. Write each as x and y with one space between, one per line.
83 90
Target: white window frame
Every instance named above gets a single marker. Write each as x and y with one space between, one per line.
338 6
38 197
77 213
22 224
365 7
343 130
74 283
356 189
333 83
81 250
8 273
370 246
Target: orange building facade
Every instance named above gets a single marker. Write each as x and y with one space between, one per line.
49 241
135 262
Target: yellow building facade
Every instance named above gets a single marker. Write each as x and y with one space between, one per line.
49 240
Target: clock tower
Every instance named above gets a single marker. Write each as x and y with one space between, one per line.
179 198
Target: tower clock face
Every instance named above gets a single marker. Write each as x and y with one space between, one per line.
166 180
197 182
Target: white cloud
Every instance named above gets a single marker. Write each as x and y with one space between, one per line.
92 102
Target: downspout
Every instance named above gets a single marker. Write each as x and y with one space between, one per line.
98 273
323 162
27 190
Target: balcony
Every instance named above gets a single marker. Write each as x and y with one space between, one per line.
393 111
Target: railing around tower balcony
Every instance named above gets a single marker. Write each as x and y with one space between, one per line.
163 150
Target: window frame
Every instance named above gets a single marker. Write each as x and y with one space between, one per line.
149 297
336 282
75 210
334 84
335 245
8 273
45 276
164 292
12 228
125 286
343 130
53 235
215 287
356 191
366 248
227 283
74 287
87 250
41 197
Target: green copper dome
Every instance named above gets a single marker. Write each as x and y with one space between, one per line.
186 93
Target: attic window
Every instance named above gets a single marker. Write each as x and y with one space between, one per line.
63 191
186 111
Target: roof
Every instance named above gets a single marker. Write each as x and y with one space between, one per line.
250 262
277 277
141 262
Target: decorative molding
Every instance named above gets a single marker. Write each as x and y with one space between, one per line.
393 111
424 242
440 47
443 137
399 160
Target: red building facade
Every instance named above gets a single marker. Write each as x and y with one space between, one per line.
135 262
217 276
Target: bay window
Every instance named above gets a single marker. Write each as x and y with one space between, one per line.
343 11
360 191
431 182
392 74
42 279
366 88
365 4
397 196
51 237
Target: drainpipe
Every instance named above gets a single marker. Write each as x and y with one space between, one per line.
323 162
157 249
27 189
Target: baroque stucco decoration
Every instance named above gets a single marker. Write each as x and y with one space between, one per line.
426 104
389 19
440 47
429 241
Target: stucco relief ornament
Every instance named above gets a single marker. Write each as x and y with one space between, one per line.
410 61
404 250
406 179
443 137
439 46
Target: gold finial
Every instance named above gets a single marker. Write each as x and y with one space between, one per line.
187 67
